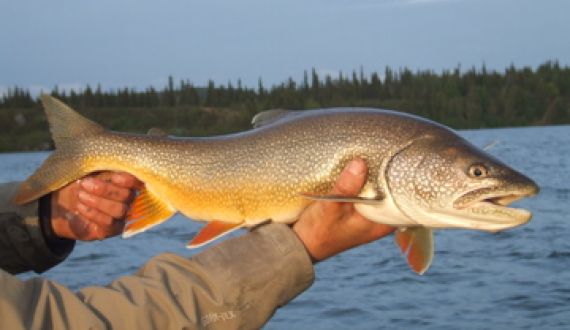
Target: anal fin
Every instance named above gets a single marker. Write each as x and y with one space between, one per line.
146 212
417 245
212 231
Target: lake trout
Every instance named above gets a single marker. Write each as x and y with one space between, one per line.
422 175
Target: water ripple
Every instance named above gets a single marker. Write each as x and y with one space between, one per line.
559 255
91 257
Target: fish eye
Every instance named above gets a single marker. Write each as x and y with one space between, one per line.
478 171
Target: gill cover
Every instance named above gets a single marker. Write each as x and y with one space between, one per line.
427 177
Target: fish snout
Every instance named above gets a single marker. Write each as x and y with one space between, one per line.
525 186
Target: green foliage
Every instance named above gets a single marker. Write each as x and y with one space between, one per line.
471 99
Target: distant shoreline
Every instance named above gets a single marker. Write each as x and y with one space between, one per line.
477 98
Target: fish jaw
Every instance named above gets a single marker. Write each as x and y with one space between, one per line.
483 209
489 209
490 215
481 219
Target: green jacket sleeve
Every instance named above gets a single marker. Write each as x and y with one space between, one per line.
237 284
23 245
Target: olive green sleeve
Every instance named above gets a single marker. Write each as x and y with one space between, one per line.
237 284
23 244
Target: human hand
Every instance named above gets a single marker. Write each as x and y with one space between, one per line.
328 228
93 208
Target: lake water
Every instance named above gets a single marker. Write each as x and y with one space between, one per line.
516 279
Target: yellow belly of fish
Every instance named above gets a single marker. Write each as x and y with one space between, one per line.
236 202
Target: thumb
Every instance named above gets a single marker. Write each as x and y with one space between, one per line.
351 179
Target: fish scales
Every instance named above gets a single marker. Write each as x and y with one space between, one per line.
421 174
254 175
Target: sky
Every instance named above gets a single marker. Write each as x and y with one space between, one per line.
139 43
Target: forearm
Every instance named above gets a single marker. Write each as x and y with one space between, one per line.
237 284
24 245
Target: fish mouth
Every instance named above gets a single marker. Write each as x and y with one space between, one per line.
491 207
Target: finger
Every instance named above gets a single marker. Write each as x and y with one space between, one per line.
92 214
351 179
105 189
349 183
103 176
109 207
126 180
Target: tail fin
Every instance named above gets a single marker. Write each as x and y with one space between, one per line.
64 165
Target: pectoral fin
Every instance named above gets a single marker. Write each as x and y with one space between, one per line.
417 245
213 230
146 212
342 199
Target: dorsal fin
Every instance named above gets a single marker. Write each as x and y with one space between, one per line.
65 124
155 131
271 116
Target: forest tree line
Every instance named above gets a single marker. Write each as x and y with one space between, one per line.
475 98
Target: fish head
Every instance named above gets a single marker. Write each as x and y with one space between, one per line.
443 181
